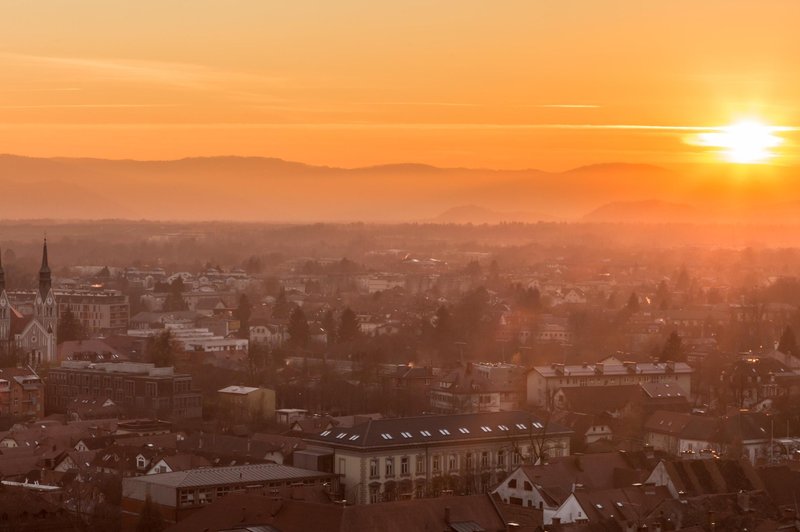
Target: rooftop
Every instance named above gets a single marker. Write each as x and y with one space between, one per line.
212 476
438 429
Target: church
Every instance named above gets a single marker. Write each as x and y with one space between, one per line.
32 336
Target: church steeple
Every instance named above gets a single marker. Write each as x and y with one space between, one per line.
45 281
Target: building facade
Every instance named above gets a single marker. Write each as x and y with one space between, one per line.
101 311
544 381
138 388
21 393
414 457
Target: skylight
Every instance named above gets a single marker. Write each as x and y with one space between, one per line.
425 433
502 427
406 434
354 437
521 426
486 429
538 425
386 436
445 432
325 433
463 430
341 435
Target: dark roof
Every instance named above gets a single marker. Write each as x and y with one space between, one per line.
241 511
437 429
599 399
717 476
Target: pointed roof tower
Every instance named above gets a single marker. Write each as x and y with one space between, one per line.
45 281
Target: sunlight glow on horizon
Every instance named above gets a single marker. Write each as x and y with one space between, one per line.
744 142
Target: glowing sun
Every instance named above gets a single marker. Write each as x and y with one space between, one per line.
745 142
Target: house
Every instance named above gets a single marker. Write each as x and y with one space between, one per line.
21 393
692 478
621 506
478 388
547 486
246 403
427 455
176 462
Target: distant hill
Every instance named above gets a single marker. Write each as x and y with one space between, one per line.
473 214
269 189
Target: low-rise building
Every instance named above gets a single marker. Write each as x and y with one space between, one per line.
179 494
138 388
246 403
21 393
544 381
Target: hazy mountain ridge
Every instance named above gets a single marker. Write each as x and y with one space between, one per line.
271 189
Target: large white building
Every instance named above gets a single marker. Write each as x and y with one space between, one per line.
545 381
389 459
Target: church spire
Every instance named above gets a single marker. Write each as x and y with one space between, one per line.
44 273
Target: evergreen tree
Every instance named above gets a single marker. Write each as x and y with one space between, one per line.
788 342
633 303
150 519
161 349
348 326
69 328
442 328
298 329
242 313
174 301
329 324
673 350
281 309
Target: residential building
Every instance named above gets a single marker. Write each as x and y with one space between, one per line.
21 393
544 381
246 403
179 494
388 459
98 311
138 388
479 388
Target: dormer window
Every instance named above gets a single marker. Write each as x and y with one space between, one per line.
141 463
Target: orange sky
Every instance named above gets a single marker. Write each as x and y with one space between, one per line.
508 84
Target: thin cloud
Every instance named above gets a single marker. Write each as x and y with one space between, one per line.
565 106
88 106
176 74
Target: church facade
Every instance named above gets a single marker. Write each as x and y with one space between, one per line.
32 337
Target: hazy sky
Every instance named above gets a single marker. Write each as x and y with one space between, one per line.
510 84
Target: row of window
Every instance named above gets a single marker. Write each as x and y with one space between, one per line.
452 461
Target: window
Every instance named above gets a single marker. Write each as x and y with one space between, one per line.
374 495
444 432
436 463
425 433
420 465
501 458
373 468
485 459
342 466
469 461
406 434
390 467
452 462
512 483
404 466
528 486
463 430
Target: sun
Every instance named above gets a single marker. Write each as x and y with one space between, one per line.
745 142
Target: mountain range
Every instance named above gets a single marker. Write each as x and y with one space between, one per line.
268 189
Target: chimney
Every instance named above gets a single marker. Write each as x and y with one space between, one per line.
447 515
712 525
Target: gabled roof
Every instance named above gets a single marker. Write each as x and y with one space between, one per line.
708 477
437 429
